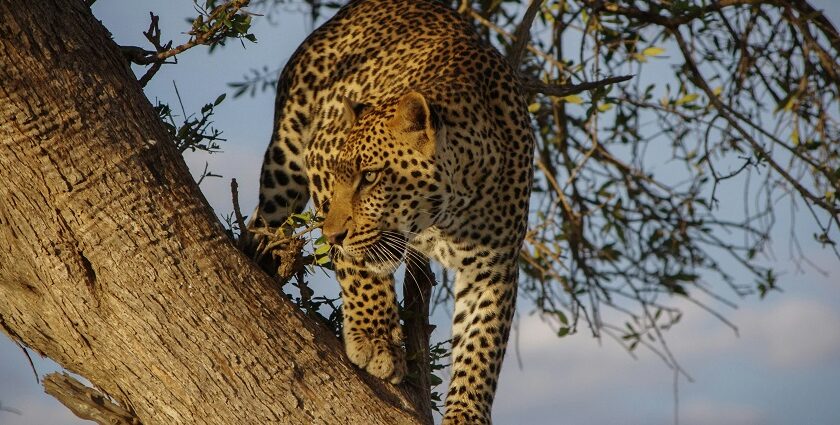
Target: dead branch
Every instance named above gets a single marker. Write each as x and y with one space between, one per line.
85 402
533 86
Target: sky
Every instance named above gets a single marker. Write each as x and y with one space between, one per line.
782 368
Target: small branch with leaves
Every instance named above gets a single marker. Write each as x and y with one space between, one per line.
210 28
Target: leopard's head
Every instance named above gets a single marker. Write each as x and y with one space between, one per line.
390 180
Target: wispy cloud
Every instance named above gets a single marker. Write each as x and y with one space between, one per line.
576 378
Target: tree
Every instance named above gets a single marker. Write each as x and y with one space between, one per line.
114 266
108 237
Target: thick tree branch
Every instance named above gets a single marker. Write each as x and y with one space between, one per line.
113 265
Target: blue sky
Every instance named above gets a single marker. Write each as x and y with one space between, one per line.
783 369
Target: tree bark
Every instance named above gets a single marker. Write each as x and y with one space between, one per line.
113 264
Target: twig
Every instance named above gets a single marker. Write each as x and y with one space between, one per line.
87 403
29 358
17 340
153 35
244 234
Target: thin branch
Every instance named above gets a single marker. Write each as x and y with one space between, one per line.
165 51
17 340
29 358
208 35
153 35
733 118
824 24
532 85
197 39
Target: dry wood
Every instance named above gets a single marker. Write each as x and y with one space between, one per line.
86 402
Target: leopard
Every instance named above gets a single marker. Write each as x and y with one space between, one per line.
412 137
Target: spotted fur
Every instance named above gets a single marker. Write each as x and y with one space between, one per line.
412 136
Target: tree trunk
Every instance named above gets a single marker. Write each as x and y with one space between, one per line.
113 264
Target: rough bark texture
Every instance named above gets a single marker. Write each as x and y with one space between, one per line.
113 264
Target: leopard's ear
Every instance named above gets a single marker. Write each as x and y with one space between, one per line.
418 123
352 110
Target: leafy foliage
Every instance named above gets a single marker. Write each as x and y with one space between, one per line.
439 354
192 133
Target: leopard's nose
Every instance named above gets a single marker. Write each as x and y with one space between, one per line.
336 238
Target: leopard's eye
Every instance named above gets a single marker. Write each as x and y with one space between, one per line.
369 177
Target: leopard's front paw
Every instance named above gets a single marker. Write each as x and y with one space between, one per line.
379 357
388 362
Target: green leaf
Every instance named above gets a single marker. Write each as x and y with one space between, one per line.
572 98
323 249
562 317
687 98
653 51
604 107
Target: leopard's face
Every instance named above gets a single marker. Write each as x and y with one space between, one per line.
388 184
